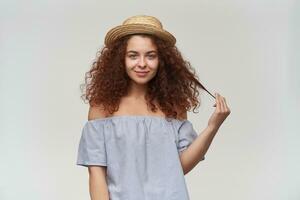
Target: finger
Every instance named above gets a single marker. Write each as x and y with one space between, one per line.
215 100
226 103
218 101
223 106
221 103
227 110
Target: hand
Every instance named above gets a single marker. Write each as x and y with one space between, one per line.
220 114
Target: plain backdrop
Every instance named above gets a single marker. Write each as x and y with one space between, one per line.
248 51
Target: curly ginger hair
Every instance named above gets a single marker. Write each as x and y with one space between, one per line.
175 87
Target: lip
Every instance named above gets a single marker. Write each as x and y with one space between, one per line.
141 74
142 71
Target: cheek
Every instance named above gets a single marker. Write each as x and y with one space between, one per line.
129 62
154 64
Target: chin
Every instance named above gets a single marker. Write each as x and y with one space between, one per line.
140 82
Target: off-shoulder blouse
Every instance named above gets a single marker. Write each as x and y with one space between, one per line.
141 153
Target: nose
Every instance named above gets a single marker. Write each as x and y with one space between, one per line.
142 62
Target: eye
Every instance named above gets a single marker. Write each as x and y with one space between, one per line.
152 56
132 56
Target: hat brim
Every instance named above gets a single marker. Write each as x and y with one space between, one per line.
128 29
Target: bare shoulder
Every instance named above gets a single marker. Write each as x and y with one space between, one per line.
96 112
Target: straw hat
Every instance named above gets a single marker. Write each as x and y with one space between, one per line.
139 24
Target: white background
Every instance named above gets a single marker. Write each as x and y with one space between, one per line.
248 51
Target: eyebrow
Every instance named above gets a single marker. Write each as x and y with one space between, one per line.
131 51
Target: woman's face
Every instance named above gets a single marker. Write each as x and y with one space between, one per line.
141 56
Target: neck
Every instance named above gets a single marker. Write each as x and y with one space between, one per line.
137 91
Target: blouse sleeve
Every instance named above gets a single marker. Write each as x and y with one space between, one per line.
186 135
91 150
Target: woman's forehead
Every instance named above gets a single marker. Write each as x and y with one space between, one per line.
140 43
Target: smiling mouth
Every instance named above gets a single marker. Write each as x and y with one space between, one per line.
141 74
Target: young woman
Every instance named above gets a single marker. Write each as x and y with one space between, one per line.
138 143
